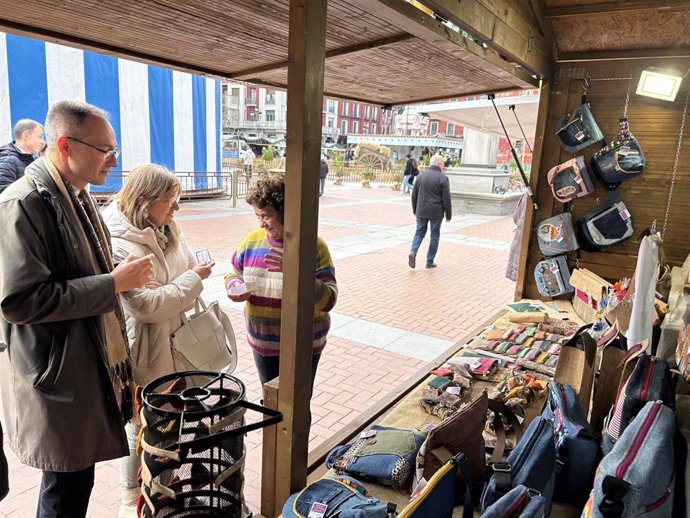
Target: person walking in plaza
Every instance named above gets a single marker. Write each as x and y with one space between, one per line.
257 278
408 174
15 156
248 157
141 222
323 174
65 374
430 202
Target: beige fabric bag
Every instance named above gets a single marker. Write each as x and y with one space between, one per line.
205 340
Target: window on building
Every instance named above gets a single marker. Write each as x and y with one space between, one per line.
270 96
329 122
376 114
434 128
345 107
343 127
367 112
331 105
356 110
235 92
365 128
373 128
270 115
450 131
355 127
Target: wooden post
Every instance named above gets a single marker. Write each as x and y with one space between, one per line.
268 455
306 51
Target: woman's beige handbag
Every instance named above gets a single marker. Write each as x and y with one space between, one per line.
205 340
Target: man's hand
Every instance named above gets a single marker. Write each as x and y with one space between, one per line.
133 272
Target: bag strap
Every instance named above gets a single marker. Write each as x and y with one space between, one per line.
500 409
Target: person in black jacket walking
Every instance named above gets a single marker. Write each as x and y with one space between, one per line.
15 156
430 202
323 173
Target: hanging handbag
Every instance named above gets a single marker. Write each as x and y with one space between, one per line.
570 180
608 224
553 277
578 129
556 235
621 160
519 502
205 340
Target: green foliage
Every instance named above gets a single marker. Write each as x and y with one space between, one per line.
268 154
456 162
367 174
338 158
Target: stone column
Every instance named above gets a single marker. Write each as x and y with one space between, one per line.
479 149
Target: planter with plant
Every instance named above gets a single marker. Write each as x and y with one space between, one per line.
367 177
397 180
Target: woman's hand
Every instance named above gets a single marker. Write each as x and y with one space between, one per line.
203 270
274 260
235 296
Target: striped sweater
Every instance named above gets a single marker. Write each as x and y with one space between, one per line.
262 309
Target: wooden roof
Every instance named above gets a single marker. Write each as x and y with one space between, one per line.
592 29
381 51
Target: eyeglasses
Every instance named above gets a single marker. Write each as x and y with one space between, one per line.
264 217
107 154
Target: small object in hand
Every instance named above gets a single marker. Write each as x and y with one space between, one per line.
240 289
203 256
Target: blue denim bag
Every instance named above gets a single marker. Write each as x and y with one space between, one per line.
386 456
576 445
532 463
519 502
343 497
636 479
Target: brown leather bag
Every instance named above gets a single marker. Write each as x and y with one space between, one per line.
462 432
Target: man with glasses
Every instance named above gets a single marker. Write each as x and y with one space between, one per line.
65 375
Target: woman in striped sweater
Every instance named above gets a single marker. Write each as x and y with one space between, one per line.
257 278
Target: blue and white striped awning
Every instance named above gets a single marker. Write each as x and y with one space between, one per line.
159 115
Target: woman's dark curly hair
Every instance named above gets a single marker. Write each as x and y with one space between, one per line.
269 191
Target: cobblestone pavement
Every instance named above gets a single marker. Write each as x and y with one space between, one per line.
388 322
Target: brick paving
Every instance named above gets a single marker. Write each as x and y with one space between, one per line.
368 231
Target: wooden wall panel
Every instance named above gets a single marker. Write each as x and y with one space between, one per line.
656 125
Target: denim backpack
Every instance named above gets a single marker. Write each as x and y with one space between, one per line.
570 180
636 479
578 129
576 445
384 455
621 160
339 496
608 224
553 277
556 235
650 381
532 463
519 502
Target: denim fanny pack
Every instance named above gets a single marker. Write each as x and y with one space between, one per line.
637 477
578 129
340 496
553 277
385 455
608 224
532 464
519 502
570 180
556 235
576 445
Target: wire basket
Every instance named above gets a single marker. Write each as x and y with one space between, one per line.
192 445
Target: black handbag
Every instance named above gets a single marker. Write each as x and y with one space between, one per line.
621 160
578 129
608 224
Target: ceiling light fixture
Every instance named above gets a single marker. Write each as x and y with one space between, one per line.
659 84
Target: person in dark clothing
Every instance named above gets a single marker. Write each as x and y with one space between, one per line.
4 483
411 170
15 156
430 202
323 173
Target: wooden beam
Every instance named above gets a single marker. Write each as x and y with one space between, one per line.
268 455
465 94
534 180
503 26
618 55
410 19
306 52
611 7
352 49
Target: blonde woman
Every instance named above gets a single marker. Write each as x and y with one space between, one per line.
141 222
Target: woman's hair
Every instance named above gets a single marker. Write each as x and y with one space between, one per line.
269 191
145 185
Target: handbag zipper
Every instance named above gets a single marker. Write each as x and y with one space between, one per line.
623 467
662 500
518 503
525 452
647 380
